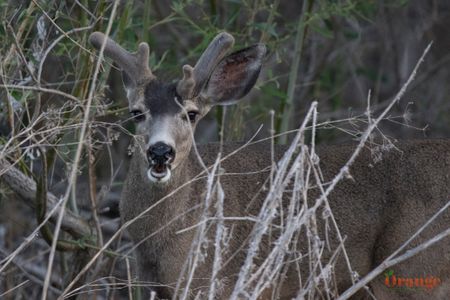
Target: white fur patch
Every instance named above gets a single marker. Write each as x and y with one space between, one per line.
157 179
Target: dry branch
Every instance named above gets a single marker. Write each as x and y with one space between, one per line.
25 187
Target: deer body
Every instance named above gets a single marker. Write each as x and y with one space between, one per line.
376 212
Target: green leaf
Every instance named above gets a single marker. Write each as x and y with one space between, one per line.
266 27
322 30
271 90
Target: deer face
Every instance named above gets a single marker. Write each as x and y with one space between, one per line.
166 114
165 123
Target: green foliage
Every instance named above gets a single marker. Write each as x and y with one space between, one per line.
178 33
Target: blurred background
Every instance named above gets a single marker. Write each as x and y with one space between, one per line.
335 52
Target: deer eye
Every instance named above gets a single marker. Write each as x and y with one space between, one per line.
192 115
137 115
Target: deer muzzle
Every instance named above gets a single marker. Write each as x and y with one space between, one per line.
160 156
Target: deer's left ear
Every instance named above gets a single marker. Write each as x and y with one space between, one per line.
234 76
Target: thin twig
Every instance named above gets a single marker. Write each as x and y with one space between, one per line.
74 172
393 260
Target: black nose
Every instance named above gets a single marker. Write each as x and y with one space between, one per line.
160 153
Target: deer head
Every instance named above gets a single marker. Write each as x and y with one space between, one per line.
166 113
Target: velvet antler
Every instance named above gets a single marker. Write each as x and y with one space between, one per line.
135 65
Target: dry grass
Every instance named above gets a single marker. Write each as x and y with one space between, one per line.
71 123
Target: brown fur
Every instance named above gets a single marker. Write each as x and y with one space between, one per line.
377 211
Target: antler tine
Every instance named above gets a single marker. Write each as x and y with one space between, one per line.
194 78
134 64
186 85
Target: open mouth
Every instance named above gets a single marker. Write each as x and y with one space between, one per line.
159 172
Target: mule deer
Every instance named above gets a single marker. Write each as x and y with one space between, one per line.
376 212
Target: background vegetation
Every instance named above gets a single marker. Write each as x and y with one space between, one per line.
332 52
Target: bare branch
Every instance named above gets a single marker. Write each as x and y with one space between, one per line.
25 187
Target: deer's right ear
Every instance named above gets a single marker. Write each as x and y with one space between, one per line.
234 76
